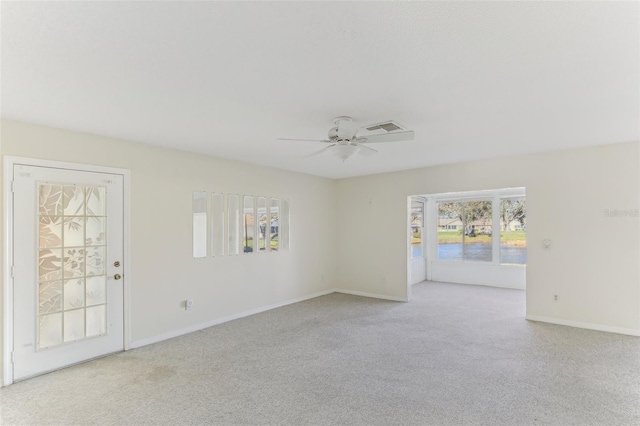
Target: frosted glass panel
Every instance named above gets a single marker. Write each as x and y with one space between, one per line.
73 325
71 263
50 200
96 320
50 264
50 327
49 297
284 225
248 224
95 231
73 294
73 201
263 221
50 231
199 209
96 201
234 224
73 231
274 234
96 290
95 260
217 224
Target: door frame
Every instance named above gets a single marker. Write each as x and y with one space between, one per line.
7 279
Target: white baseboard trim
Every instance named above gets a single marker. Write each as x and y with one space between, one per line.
197 327
589 326
372 295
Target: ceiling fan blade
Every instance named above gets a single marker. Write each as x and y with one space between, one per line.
305 140
313 154
389 137
366 151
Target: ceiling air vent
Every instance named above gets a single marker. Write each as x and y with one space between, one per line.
388 126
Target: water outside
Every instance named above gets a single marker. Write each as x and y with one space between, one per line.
480 252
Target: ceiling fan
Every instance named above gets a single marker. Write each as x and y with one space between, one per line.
344 141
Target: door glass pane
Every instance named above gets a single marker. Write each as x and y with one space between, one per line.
71 245
513 231
274 218
417 214
217 224
50 231
50 200
248 224
450 235
200 220
50 264
73 201
73 325
95 227
73 294
284 225
49 297
477 235
95 260
74 231
96 205
50 330
234 224
96 290
262 223
73 262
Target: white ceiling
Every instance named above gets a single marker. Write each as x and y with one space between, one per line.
473 79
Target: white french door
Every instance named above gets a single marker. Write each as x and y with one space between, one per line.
68 290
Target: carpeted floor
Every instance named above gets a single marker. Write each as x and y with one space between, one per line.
455 355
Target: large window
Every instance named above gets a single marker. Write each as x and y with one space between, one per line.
489 228
465 230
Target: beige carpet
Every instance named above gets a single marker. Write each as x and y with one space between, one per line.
455 355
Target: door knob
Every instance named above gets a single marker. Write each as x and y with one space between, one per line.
117 276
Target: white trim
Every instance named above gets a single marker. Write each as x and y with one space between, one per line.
407 233
586 325
372 295
486 194
126 268
201 326
7 281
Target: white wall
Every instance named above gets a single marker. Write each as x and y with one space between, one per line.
592 266
417 270
481 273
164 273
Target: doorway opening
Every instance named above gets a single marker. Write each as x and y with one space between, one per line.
474 237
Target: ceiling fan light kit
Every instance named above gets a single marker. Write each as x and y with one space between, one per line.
345 151
345 142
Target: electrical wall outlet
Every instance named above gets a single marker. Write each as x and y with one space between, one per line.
188 304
